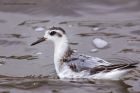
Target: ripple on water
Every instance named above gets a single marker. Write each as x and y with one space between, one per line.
136 32
107 34
8 43
90 86
31 22
12 36
27 57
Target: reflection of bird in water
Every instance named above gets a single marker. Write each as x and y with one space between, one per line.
69 64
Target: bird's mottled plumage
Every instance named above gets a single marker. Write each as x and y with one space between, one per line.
79 62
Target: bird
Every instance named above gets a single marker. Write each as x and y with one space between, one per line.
73 65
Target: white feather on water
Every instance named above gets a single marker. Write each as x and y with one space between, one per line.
100 43
39 29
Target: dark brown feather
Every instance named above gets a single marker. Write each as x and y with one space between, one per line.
58 28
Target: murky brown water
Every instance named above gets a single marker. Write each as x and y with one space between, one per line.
26 69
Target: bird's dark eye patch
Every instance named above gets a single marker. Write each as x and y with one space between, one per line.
52 33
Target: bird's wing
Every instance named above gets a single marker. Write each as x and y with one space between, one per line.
79 62
103 68
94 64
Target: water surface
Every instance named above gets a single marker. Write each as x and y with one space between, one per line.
26 69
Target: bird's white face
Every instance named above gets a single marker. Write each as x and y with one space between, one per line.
54 34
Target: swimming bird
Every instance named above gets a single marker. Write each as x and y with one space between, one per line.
70 64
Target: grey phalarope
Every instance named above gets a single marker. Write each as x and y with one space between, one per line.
69 64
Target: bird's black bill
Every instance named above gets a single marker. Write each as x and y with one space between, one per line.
38 41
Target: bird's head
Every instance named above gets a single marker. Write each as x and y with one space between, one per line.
54 34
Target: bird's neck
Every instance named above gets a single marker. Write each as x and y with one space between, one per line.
61 51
